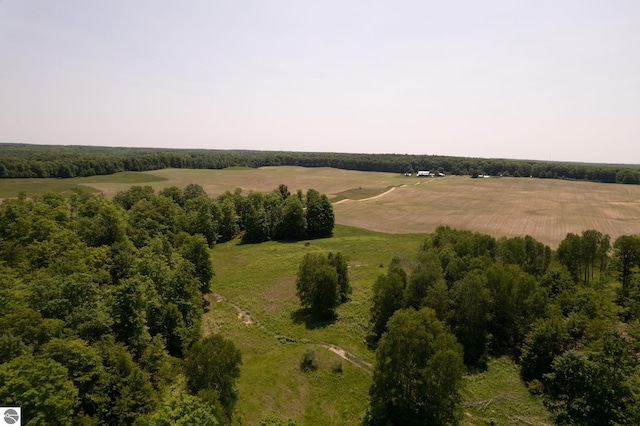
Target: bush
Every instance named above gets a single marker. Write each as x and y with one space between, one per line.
309 362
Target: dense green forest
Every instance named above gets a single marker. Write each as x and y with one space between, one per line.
101 301
570 318
40 161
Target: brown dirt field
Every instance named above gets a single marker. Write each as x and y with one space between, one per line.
543 208
215 182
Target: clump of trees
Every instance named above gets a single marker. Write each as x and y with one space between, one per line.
279 215
255 217
323 283
570 318
102 306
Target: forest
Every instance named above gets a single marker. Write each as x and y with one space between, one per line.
102 301
569 317
39 161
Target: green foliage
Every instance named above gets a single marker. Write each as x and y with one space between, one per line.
34 161
470 314
273 420
418 372
202 217
129 310
272 216
214 363
85 370
530 255
582 254
626 251
597 387
320 217
184 410
11 347
228 222
293 226
426 273
548 338
195 250
320 282
127 199
340 264
41 387
255 219
77 290
388 291
516 302
309 361
128 387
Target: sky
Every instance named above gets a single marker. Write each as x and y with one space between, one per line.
544 80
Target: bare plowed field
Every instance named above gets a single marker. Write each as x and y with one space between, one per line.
543 208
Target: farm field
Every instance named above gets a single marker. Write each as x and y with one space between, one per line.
254 303
546 209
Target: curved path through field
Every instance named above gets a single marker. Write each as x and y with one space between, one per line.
370 198
390 190
244 316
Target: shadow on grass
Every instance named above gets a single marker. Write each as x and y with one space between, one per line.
313 320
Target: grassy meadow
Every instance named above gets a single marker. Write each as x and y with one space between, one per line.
262 315
10 188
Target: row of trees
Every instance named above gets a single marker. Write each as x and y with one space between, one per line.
570 318
100 312
256 217
19 161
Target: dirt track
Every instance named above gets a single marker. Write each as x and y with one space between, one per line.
244 316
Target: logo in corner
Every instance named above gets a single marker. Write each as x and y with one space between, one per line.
11 416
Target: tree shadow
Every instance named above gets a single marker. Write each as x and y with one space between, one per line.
313 320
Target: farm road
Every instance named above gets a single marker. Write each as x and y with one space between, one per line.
379 195
343 353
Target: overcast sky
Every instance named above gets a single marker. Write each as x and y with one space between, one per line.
547 80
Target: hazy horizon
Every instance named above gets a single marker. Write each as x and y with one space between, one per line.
548 81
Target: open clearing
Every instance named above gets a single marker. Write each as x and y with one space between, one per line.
546 209
255 304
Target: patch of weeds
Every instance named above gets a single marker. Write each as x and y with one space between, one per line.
309 361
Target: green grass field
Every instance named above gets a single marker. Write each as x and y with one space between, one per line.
10 188
261 314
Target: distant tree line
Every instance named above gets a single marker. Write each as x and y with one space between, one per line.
570 318
39 161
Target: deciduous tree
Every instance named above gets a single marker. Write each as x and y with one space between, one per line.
317 284
418 372
214 363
